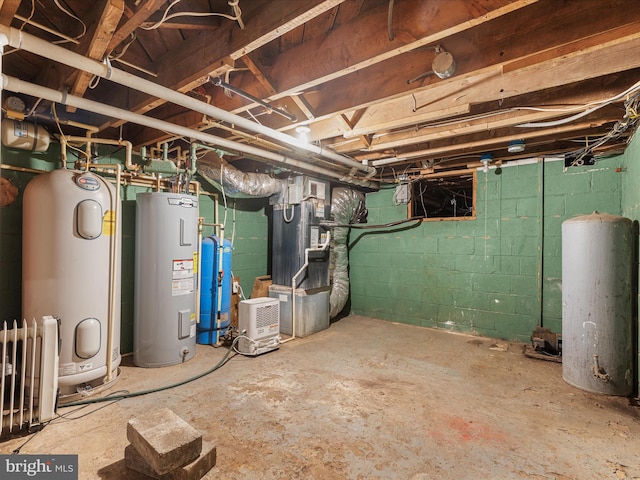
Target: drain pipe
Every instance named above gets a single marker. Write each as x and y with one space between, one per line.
30 43
294 283
18 86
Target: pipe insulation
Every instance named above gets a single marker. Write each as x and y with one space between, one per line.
19 86
345 203
30 43
219 172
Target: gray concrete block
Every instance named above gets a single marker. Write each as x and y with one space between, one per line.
193 471
134 461
164 440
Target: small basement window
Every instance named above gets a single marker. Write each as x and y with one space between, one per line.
444 196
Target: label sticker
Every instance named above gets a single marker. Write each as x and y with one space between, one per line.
195 262
183 264
178 274
182 287
85 367
192 331
109 222
66 369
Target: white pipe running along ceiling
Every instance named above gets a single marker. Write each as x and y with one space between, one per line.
19 86
33 44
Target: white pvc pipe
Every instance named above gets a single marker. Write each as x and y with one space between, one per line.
65 139
294 284
113 269
33 44
20 86
101 141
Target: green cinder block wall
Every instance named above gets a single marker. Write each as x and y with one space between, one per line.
476 276
631 206
480 276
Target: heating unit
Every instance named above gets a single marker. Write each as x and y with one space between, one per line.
29 383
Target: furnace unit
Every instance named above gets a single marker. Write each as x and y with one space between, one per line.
297 239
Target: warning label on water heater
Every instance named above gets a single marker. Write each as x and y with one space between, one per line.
182 277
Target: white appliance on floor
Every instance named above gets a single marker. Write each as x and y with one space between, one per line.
259 325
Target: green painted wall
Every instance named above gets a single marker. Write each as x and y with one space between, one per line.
631 180
476 276
250 256
631 209
480 275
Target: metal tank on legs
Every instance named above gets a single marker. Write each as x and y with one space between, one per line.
164 328
71 269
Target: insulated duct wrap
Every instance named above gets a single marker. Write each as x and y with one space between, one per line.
345 205
220 173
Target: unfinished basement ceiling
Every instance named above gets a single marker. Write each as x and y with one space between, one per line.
408 86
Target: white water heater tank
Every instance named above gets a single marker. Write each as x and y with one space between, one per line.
67 245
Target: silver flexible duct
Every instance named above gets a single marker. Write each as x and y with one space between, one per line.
344 205
220 173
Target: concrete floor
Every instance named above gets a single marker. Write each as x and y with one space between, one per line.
369 399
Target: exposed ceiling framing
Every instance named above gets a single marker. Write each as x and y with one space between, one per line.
356 72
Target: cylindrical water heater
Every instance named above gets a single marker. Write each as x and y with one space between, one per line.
67 246
597 321
215 295
164 328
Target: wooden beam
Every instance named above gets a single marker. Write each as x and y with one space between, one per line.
142 13
259 71
190 65
491 84
507 39
8 9
102 28
461 146
341 52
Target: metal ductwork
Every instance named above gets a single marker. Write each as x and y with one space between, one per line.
345 205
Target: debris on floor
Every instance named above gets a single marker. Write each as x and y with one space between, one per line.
545 345
501 347
164 446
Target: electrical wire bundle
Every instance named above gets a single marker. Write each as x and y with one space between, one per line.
628 121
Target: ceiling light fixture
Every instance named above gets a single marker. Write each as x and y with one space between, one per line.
516 146
303 133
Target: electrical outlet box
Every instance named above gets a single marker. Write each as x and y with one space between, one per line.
294 194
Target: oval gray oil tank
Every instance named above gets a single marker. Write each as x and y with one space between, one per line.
597 273
164 324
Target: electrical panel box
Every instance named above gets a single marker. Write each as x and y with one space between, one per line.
259 324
